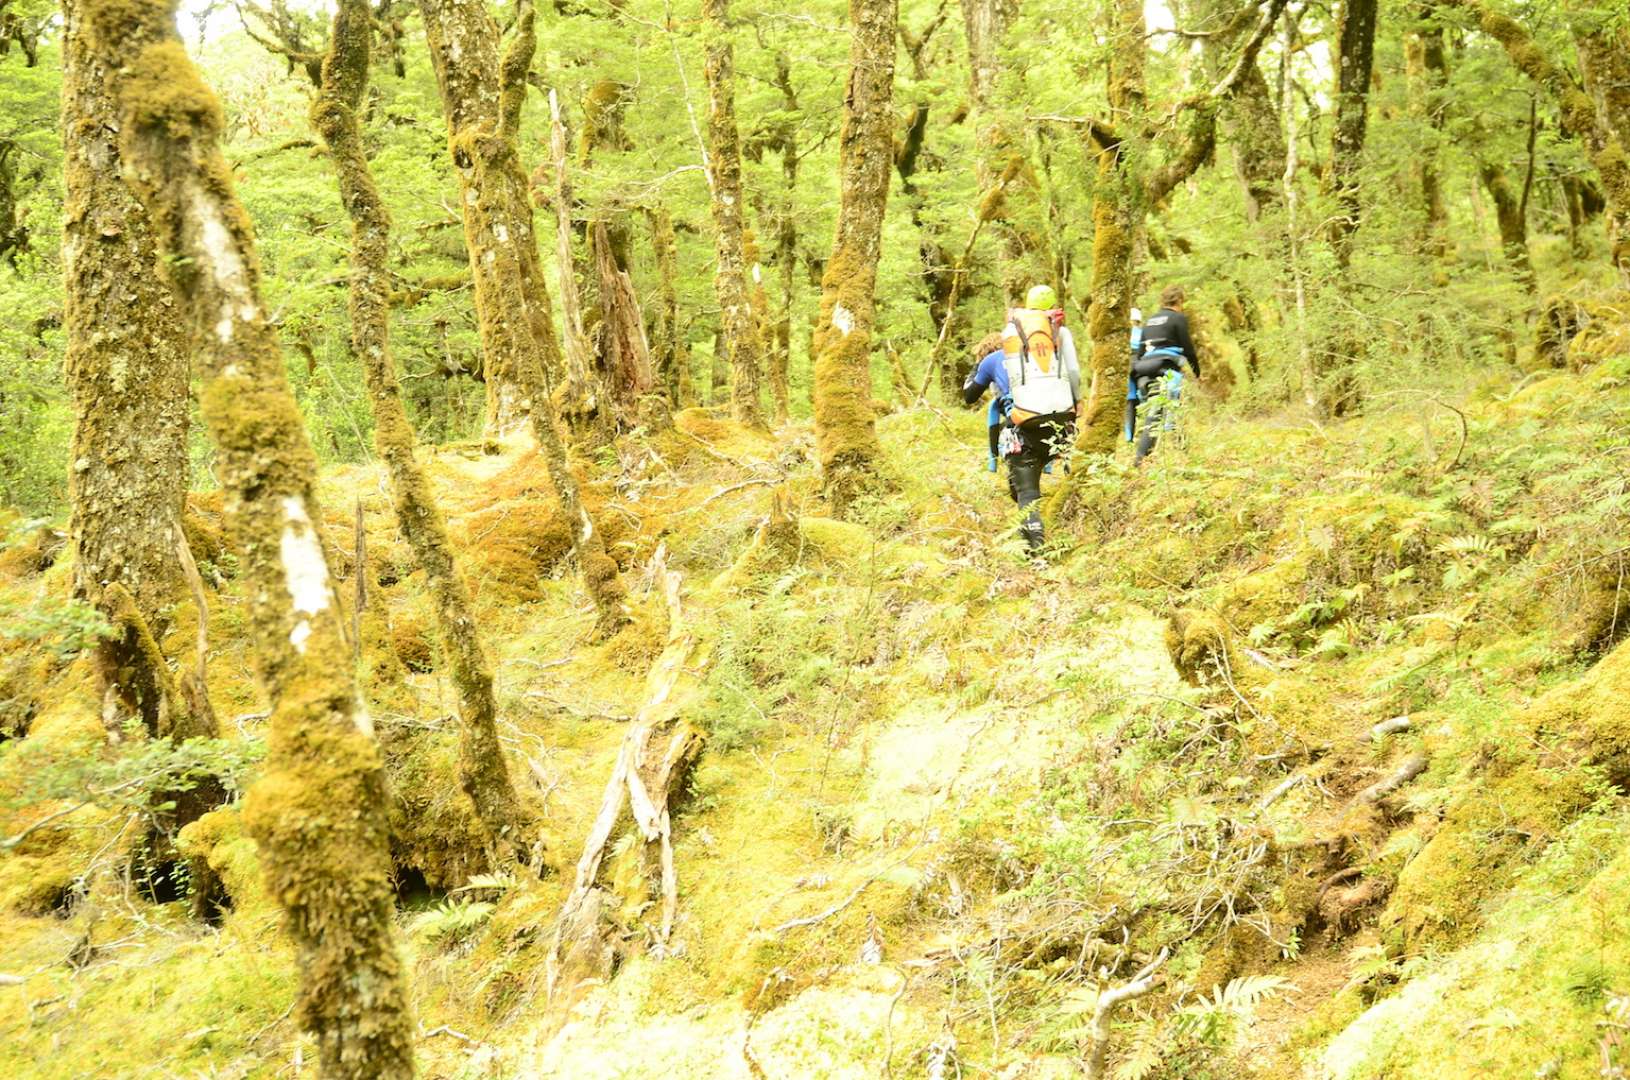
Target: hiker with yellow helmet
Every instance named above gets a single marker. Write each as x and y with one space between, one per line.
1037 382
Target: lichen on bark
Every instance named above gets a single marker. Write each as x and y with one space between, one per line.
739 330
844 427
318 810
127 371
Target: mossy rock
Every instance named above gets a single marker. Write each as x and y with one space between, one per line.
218 838
30 552
509 547
1201 647
1532 784
434 828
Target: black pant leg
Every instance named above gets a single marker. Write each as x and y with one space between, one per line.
1024 481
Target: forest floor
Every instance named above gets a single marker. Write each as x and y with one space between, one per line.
947 793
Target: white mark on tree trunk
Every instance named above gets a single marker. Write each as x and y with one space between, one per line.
224 263
758 274
843 319
588 525
304 570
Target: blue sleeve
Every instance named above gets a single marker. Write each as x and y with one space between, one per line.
993 369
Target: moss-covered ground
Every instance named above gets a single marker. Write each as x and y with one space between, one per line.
1336 715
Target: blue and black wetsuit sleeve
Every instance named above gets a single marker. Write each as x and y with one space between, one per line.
988 373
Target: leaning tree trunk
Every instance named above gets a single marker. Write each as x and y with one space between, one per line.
739 333
786 240
318 811
127 366
844 429
483 772
483 100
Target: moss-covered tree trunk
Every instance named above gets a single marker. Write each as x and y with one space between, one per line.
318 810
1337 378
740 333
786 241
669 357
482 100
1116 218
583 385
483 772
844 427
1355 61
1510 219
127 367
479 97
1600 55
1427 67
997 147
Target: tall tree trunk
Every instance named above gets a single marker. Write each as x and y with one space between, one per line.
1604 61
483 772
1338 390
786 240
1355 61
1427 67
844 427
511 299
1116 219
672 363
127 367
740 334
318 812
986 23
1512 221
1608 147
482 100
583 384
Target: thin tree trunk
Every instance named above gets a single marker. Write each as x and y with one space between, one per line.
672 365
482 100
844 427
318 811
740 334
786 241
482 770
127 368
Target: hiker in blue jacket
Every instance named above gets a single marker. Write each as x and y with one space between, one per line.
1037 386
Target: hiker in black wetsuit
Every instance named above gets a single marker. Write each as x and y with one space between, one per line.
1164 349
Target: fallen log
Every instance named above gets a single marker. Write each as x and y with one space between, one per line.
652 764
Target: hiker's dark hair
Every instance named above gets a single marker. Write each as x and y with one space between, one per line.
1172 294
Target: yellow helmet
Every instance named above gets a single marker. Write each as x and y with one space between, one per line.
1041 298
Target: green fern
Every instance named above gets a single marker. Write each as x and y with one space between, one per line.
451 920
